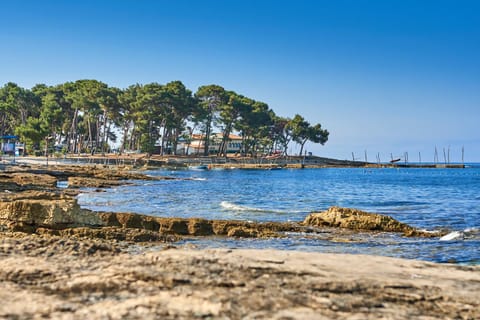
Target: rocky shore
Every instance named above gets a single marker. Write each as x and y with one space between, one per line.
69 262
69 278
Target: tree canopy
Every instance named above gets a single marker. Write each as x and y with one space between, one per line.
90 116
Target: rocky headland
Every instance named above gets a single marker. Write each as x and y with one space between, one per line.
70 262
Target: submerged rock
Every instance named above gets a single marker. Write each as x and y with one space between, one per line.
360 220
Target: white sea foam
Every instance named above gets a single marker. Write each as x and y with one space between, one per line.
199 179
452 236
236 207
469 233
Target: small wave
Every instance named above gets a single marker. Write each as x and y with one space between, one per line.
199 179
452 236
397 203
407 208
469 233
236 207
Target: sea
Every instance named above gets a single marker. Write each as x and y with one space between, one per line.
428 199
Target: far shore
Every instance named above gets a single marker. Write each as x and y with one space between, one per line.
215 162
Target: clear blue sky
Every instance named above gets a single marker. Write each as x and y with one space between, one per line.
382 76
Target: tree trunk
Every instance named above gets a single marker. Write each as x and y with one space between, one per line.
90 140
175 140
222 150
162 144
132 138
73 131
301 146
105 143
208 129
125 135
105 130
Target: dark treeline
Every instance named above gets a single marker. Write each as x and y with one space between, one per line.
88 116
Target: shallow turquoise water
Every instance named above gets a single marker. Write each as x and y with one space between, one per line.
425 198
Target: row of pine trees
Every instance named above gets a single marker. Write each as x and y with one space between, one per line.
90 116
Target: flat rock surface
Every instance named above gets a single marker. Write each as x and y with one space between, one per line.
68 278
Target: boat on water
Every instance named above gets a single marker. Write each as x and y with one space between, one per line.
395 160
200 167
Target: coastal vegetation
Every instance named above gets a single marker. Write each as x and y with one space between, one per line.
88 116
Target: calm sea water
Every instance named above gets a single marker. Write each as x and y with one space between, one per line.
428 199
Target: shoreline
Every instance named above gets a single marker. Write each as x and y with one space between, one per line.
214 162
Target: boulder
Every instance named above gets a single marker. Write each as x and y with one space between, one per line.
54 213
360 220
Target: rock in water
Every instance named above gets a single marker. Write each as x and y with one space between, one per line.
360 220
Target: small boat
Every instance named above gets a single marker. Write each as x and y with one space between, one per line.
275 168
199 167
395 160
